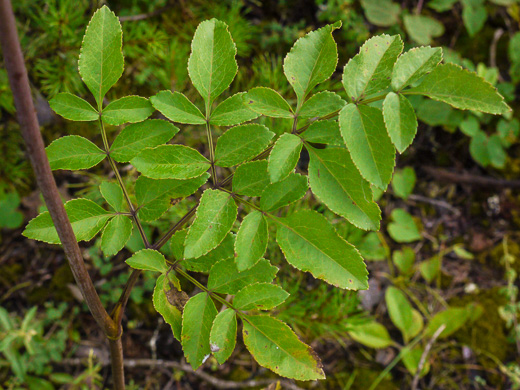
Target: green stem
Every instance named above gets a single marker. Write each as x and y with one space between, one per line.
112 163
374 99
211 155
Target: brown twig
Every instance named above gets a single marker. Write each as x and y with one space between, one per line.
30 130
425 353
469 179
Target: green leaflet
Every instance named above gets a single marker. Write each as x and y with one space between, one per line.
176 107
275 346
268 102
403 182
170 162
251 241
241 143
367 140
284 156
399 310
251 178
171 314
262 296
138 136
225 250
113 194
101 57
400 120
212 65
127 109
414 64
223 335
284 192
154 196
369 71
453 318
321 104
324 132
197 319
450 83
73 152
422 29
232 111
86 218
381 12
372 334
224 277
73 108
310 243
474 15
335 180
215 217
312 60
404 259
116 234
148 260
403 227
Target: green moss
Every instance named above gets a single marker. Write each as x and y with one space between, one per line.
488 333
365 377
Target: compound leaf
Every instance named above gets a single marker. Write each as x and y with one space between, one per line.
101 57
86 217
177 108
223 336
232 111
171 314
148 260
335 180
73 152
127 109
138 136
113 194
262 296
414 64
324 132
116 234
284 192
284 156
321 104
251 178
369 71
154 197
73 107
197 319
400 120
214 218
241 143
171 162
310 243
268 102
461 89
312 60
275 346
212 65
224 276
367 140
225 250
251 241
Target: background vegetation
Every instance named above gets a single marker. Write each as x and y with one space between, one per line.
447 250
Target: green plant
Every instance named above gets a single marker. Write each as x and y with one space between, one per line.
348 158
